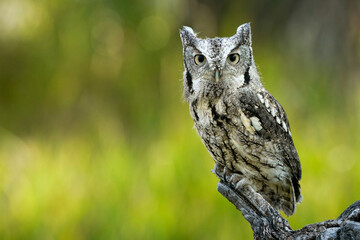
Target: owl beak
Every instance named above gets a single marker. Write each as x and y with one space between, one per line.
217 75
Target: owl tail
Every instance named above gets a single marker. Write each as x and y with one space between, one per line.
296 186
283 195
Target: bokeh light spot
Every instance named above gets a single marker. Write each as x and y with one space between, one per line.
21 19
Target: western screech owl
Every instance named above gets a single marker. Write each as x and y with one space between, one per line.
241 124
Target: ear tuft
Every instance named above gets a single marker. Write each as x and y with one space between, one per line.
187 35
245 32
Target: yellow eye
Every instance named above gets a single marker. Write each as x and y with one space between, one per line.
234 58
199 59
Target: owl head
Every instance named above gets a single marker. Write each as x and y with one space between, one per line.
215 64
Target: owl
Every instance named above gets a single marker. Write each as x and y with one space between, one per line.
242 125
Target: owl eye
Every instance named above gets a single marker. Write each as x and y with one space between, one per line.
199 59
234 58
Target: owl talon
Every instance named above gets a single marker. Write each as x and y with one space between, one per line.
223 172
235 179
227 174
242 184
218 170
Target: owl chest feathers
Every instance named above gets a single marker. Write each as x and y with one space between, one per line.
232 138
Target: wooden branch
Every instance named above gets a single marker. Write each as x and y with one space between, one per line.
267 223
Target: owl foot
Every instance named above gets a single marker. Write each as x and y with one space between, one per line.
241 185
236 179
223 173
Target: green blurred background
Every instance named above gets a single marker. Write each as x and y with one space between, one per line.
97 143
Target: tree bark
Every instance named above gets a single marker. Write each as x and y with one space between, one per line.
267 223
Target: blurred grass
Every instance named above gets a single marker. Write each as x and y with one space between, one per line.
96 143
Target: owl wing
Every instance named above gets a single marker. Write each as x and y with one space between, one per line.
269 121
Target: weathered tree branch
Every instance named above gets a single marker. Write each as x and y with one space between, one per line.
267 223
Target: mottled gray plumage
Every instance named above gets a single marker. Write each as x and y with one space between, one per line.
241 124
